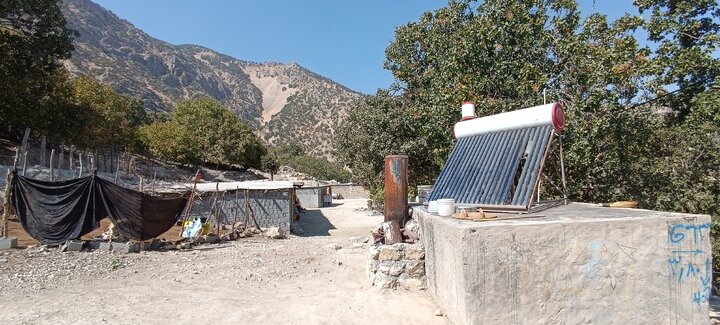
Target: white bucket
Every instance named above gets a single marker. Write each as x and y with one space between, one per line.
432 206
424 192
446 207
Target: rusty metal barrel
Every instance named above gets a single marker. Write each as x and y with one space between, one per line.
396 188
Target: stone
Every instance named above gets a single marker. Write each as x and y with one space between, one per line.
384 268
296 229
384 281
184 245
389 253
146 246
332 247
8 242
412 284
415 252
415 268
371 267
105 246
373 252
397 268
211 239
413 226
73 246
157 244
94 244
241 235
275 233
123 248
359 240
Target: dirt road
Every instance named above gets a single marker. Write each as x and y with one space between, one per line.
248 281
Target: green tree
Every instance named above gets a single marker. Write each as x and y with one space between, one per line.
112 120
270 165
202 131
378 126
33 42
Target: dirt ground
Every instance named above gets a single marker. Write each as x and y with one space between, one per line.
247 281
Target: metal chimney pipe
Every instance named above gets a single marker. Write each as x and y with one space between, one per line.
396 188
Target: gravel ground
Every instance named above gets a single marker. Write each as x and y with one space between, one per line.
250 280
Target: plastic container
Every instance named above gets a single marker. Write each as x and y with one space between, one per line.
468 111
424 192
433 206
445 207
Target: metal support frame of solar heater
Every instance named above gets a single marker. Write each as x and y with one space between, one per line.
536 206
542 205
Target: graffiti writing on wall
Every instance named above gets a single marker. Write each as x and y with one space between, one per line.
688 263
607 263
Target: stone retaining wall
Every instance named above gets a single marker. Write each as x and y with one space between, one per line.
399 265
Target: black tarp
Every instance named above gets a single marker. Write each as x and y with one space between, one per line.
54 212
138 215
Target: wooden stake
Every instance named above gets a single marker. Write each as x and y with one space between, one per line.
118 170
61 158
81 163
152 191
26 136
8 194
52 171
24 163
43 150
72 159
190 202
141 184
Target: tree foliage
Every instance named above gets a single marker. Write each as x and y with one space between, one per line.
202 131
33 41
641 115
110 119
378 126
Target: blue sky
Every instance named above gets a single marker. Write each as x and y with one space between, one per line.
339 39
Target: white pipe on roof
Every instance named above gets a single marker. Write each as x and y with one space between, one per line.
549 114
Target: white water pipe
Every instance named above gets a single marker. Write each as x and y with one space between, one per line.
549 114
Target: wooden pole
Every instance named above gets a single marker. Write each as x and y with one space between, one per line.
190 202
235 215
81 163
118 169
43 150
8 194
24 163
61 158
152 191
26 137
72 159
52 171
141 184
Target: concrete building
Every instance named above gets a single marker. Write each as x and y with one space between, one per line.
272 203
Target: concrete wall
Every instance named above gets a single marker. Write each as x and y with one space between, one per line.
351 191
576 264
311 197
271 207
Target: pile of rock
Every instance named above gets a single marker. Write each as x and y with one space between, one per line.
398 265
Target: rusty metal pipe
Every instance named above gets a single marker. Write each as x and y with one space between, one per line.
396 188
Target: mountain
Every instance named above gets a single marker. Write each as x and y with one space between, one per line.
283 103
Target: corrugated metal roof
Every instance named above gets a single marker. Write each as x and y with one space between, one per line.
500 168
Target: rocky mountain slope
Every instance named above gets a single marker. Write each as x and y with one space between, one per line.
282 102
